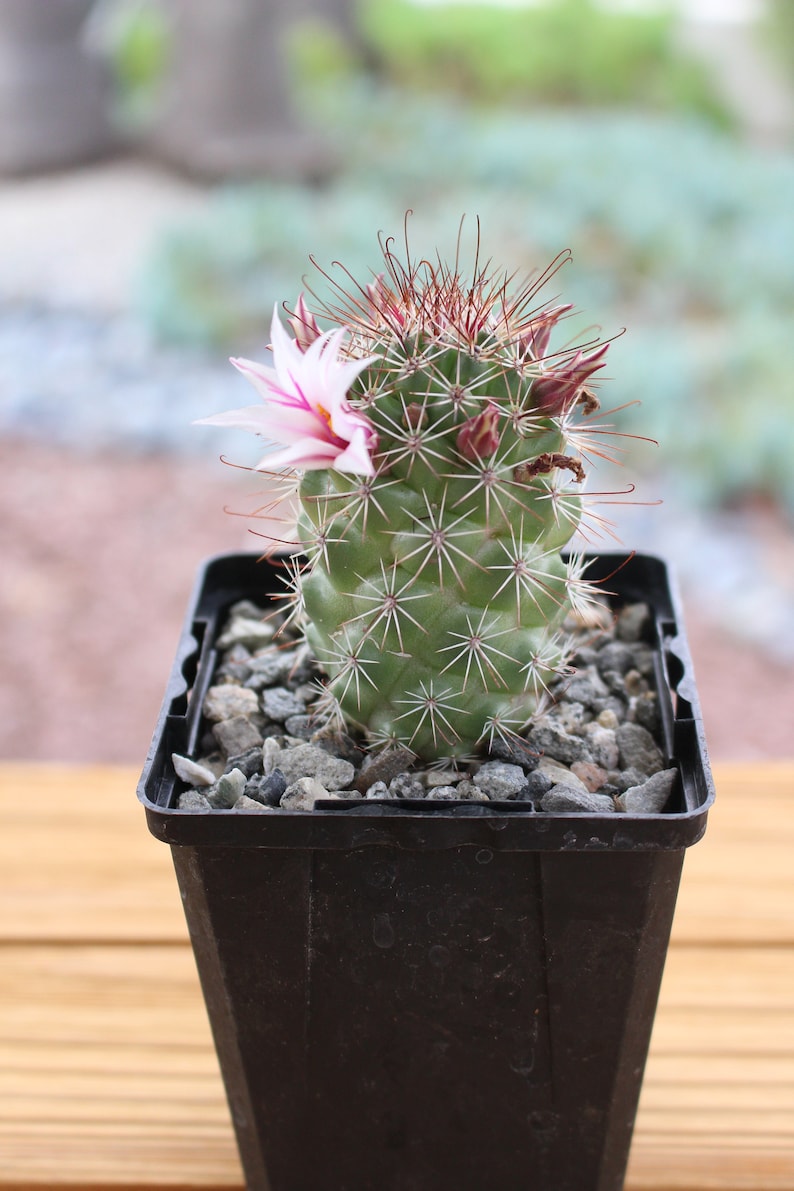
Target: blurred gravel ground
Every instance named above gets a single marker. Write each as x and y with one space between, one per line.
98 556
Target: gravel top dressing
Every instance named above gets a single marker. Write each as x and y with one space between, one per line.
594 746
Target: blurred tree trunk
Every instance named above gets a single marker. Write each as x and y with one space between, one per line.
226 108
53 94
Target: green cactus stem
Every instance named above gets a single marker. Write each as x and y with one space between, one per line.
435 498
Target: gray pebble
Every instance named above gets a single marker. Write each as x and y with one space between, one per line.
638 749
624 779
244 803
551 740
271 753
307 760
300 727
515 751
559 774
651 797
438 777
235 664
632 622
443 793
537 784
237 735
193 800
267 790
499 780
570 716
378 790
646 711
249 762
584 657
248 610
613 705
279 704
586 688
406 785
565 798
302 794
602 745
615 655
269 668
228 789
469 792
382 767
616 682
643 659
250 631
227 700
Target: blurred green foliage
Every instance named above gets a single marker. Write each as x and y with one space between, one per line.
679 232
779 27
566 52
134 37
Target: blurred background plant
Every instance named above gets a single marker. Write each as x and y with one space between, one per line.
779 29
679 232
573 52
134 37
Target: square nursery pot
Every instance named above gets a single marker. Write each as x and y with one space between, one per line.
430 997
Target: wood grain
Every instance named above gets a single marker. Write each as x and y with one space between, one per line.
108 1079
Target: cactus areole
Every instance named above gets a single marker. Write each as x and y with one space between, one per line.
439 443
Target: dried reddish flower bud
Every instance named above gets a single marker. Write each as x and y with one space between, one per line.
415 416
385 303
535 335
558 389
304 325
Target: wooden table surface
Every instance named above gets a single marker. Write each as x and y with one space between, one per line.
108 1078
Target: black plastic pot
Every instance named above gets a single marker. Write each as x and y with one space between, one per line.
417 997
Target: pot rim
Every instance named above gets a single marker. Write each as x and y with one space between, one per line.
496 826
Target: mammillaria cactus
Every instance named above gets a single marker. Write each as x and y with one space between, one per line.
438 446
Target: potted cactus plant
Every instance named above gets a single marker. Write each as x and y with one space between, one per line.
410 987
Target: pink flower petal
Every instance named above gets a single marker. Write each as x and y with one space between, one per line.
305 404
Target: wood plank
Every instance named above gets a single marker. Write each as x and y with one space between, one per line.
88 839
107 1074
77 861
738 882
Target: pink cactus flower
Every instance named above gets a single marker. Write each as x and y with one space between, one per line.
305 406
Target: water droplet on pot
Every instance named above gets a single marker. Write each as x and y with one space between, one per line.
382 931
